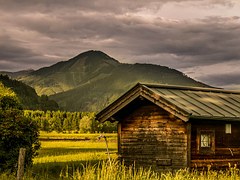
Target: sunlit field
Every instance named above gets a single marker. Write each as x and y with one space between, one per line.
88 160
67 155
72 136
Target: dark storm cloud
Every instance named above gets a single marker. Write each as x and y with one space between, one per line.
11 50
65 7
41 32
105 6
201 42
204 41
14 56
223 79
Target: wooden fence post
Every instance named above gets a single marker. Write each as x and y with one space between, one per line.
105 138
21 158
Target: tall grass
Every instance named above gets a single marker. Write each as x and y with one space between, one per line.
117 171
88 160
110 171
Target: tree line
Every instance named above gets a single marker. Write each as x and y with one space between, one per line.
66 122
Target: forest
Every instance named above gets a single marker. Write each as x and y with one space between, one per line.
27 96
69 122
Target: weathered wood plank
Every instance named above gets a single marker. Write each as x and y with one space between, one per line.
214 163
227 146
150 133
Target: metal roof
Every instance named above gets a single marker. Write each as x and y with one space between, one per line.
183 101
201 102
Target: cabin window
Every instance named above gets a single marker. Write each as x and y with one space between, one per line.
228 128
205 141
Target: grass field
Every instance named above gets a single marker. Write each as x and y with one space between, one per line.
71 152
78 159
75 136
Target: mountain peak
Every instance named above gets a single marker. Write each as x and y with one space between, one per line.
94 55
86 61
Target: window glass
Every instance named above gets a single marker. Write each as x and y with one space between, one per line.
228 128
205 140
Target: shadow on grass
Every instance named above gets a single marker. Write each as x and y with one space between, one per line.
54 170
63 151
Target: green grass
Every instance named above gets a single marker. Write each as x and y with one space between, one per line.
57 156
75 136
88 160
63 151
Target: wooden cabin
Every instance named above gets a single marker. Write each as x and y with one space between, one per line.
173 127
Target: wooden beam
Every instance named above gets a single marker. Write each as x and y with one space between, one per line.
189 129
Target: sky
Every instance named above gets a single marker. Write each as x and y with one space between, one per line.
200 38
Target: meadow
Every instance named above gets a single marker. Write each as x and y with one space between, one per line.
84 156
61 154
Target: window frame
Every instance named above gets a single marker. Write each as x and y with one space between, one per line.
207 150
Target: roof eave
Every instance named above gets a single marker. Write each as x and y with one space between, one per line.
147 93
220 118
208 89
118 104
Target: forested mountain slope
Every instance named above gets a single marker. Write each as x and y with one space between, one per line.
91 80
27 95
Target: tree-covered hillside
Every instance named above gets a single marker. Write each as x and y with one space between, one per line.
4 91
91 80
27 95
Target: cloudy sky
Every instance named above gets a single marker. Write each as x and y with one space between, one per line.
198 37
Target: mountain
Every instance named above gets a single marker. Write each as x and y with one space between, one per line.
66 75
27 95
91 80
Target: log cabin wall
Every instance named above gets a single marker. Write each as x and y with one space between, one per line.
149 136
203 131
224 147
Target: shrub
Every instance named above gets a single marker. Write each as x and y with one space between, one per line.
16 131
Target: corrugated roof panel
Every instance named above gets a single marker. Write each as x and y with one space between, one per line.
205 103
166 94
210 100
183 101
186 100
228 104
198 105
234 104
196 99
235 99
